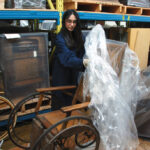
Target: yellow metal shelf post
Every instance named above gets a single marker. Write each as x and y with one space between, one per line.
51 6
60 8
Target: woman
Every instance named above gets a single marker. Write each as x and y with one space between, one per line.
68 59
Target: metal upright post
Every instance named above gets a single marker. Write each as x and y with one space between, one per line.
60 8
51 6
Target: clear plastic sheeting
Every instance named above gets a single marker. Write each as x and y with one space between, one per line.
139 3
132 86
30 4
112 79
48 25
24 23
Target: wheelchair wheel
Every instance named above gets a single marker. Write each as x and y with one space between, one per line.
6 106
65 138
16 136
85 139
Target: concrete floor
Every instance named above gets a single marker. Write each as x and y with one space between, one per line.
23 130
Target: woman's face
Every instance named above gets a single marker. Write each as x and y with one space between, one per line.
71 22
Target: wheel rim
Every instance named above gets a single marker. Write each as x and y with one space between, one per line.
77 127
18 139
7 104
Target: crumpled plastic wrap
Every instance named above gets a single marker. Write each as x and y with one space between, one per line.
48 25
139 3
31 4
112 79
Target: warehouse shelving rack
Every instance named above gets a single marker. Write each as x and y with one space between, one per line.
11 14
113 17
56 15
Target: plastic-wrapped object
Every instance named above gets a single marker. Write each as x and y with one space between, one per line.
114 91
138 3
24 23
48 25
9 3
30 4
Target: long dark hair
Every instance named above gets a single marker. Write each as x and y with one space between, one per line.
73 39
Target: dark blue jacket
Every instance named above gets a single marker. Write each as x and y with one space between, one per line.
67 65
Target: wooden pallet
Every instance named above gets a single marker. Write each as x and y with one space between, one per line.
93 5
146 11
104 7
109 7
136 10
132 10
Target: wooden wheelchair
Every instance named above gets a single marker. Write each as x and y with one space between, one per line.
67 128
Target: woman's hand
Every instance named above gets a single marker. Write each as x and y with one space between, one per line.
85 62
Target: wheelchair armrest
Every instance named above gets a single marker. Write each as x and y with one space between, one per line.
75 107
57 88
2 92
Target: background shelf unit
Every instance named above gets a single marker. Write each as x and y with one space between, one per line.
54 15
10 14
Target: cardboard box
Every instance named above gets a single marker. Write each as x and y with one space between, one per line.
139 42
2 2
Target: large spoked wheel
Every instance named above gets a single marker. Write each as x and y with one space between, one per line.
71 136
16 135
6 106
85 138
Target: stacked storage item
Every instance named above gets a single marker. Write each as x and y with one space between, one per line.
24 64
26 4
137 3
